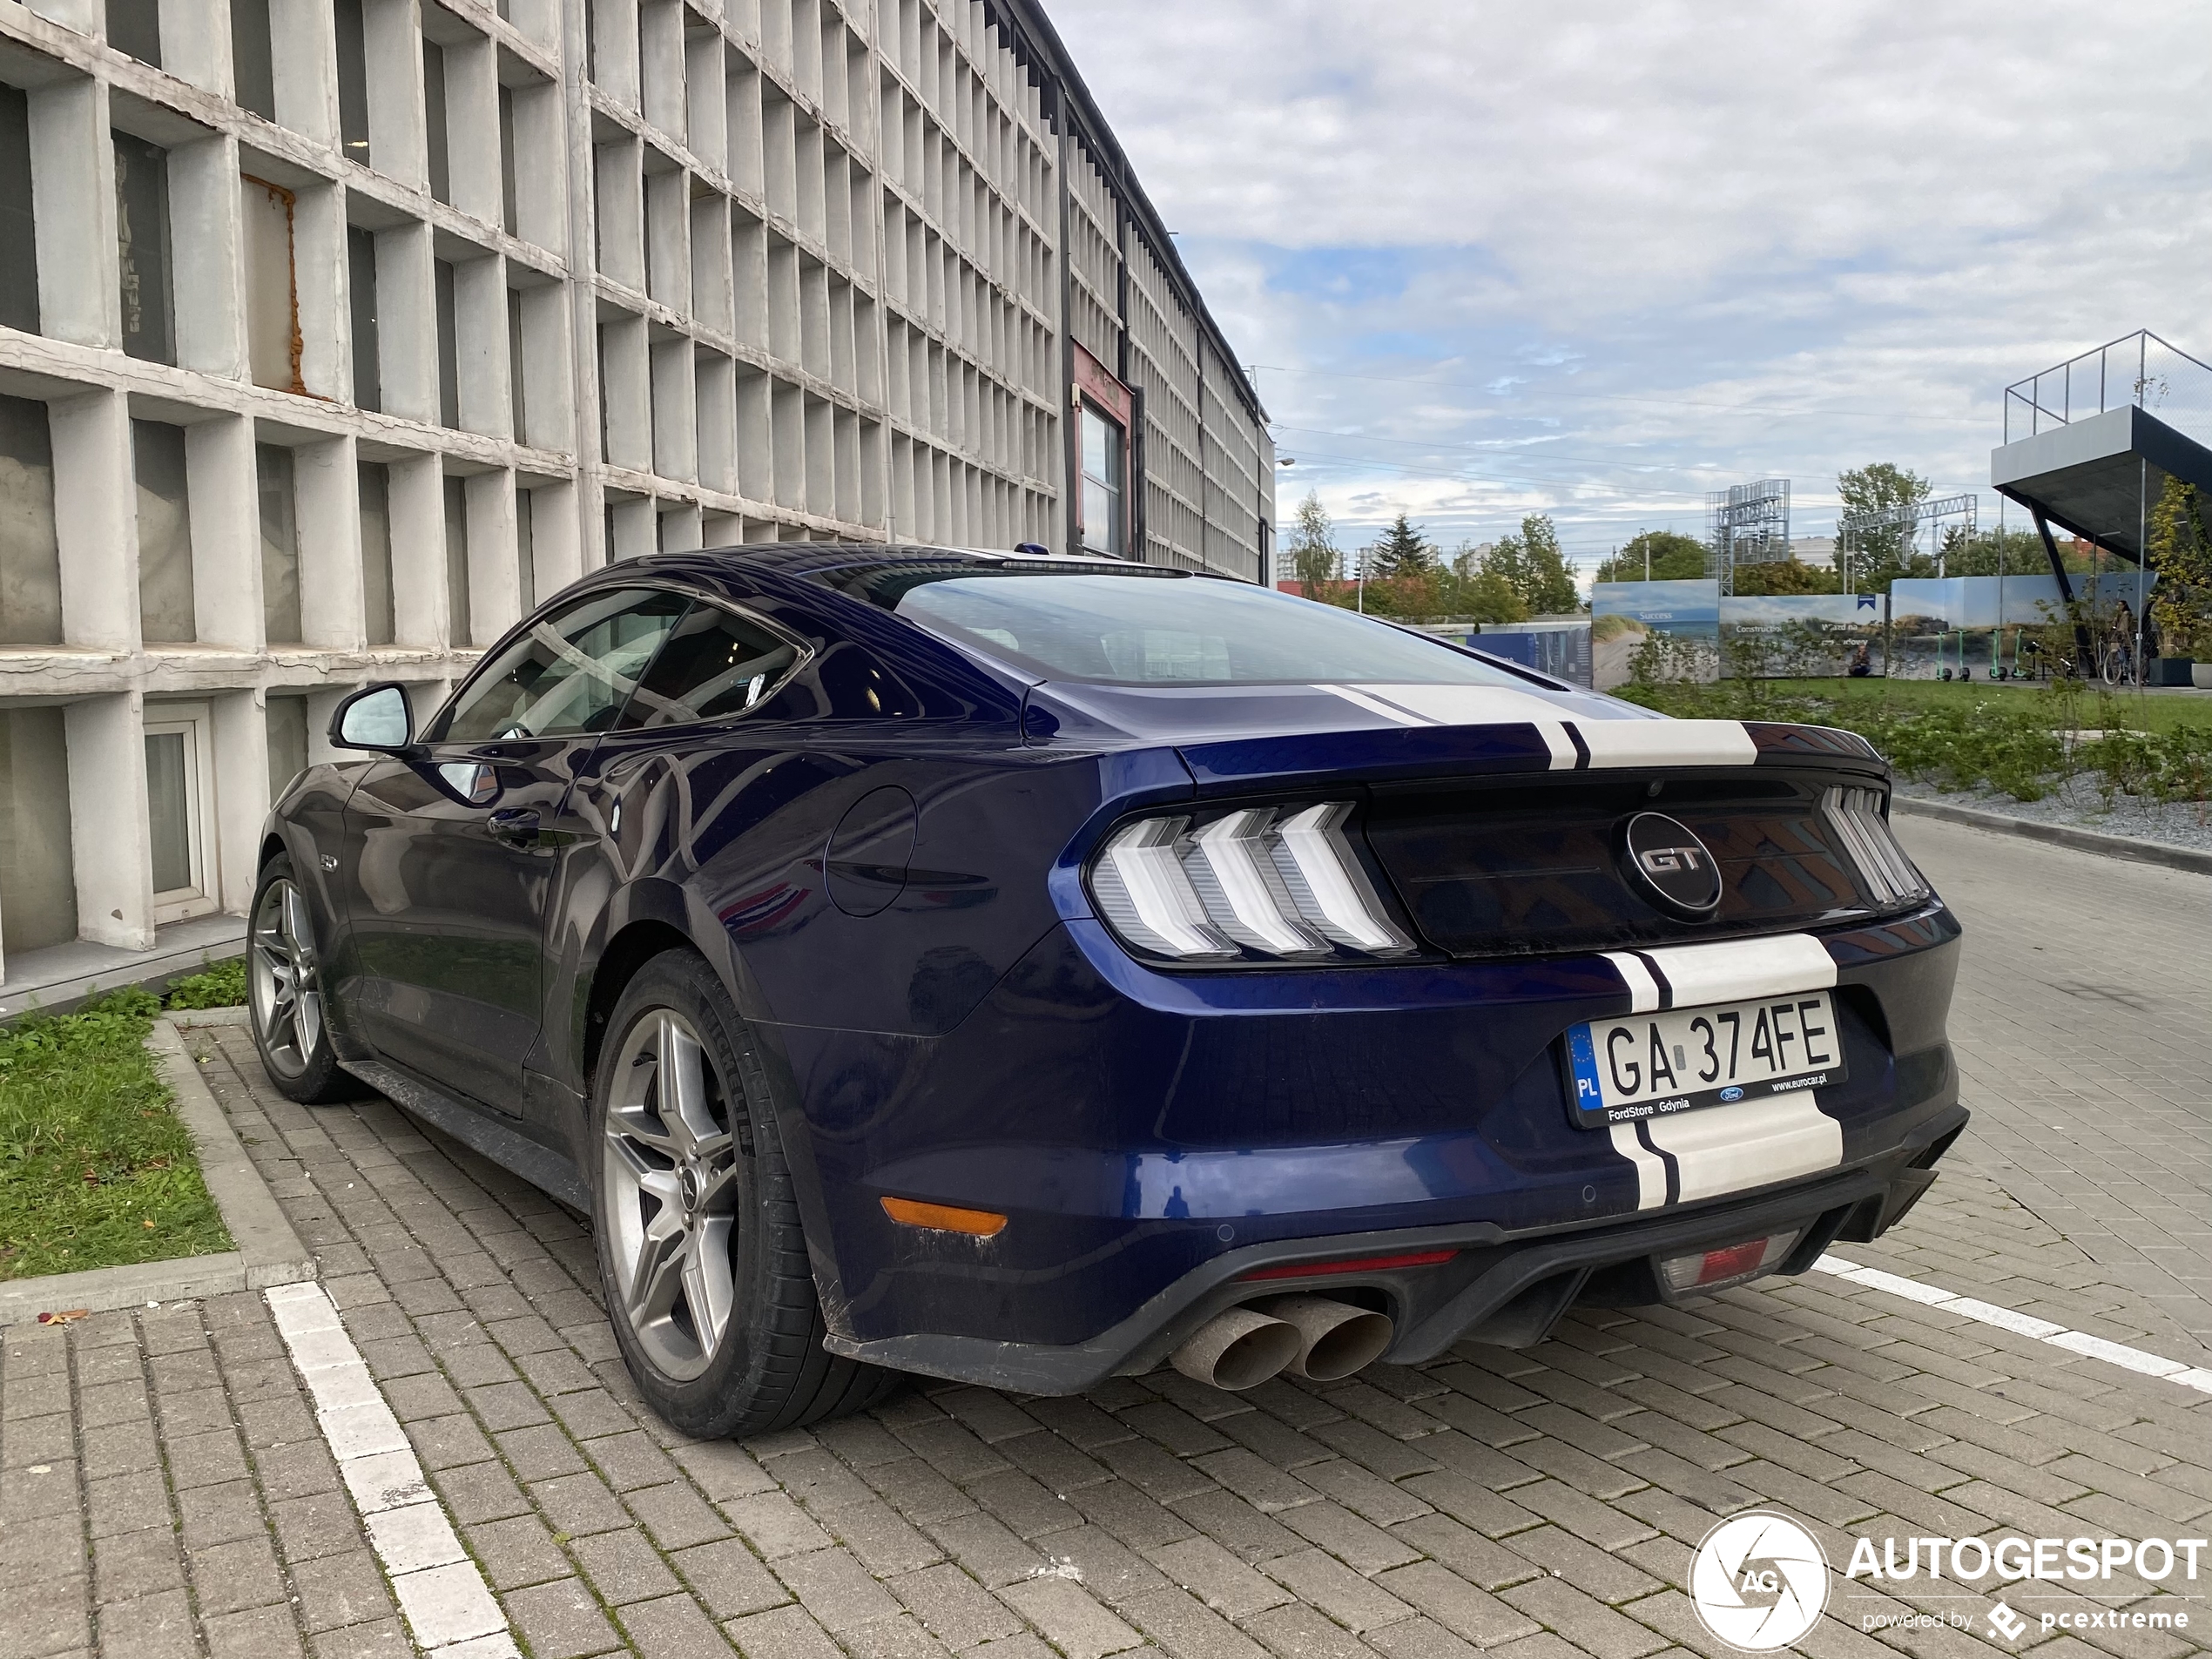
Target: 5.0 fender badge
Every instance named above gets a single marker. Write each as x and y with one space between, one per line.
1671 865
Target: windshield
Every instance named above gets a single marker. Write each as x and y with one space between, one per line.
1151 627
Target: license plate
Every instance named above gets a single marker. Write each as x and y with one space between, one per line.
1651 1065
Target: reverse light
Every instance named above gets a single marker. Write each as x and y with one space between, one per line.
1857 817
1713 1270
1281 882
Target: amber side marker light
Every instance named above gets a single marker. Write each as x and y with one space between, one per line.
1356 1264
944 1217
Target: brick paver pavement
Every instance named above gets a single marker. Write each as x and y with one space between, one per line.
163 1488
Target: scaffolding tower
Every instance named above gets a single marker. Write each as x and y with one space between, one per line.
1923 529
1746 524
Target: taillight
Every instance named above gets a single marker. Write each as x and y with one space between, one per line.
1861 826
1278 883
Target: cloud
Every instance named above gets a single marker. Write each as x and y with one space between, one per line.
1601 260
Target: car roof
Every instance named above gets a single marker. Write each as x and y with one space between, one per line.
811 558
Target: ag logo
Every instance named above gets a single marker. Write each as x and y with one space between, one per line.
1671 866
1758 1581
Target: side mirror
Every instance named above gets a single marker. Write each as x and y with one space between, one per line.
375 717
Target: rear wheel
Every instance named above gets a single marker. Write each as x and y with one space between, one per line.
285 996
702 1258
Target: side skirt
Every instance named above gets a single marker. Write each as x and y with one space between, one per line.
541 1166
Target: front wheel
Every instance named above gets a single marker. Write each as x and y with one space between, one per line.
702 1258
284 995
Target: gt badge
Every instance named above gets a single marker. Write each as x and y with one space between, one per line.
1671 865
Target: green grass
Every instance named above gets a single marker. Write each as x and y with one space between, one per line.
96 1169
219 985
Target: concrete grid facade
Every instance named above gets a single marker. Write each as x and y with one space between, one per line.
335 332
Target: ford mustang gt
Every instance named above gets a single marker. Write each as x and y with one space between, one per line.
1027 970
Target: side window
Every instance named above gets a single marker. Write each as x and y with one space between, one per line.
570 673
715 664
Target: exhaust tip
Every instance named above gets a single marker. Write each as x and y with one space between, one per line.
1236 1349
1335 1338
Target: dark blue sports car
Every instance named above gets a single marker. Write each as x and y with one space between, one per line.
1029 970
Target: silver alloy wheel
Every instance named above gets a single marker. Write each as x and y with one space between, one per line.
286 976
670 1194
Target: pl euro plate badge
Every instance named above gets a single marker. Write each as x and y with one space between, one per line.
1654 1065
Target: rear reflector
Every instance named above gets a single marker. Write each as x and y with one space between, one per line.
1712 1268
944 1217
1356 1264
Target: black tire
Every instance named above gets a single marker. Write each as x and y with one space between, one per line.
284 970
766 1369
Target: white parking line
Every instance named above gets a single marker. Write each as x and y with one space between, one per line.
448 1606
2080 1342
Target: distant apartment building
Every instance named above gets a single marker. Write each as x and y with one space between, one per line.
335 332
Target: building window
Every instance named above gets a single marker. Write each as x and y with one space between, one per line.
134 26
448 345
142 249
286 719
1105 469
376 552
361 284
508 190
37 875
165 614
353 78
180 809
519 423
273 339
252 58
525 550
18 225
280 545
434 120
456 517
30 562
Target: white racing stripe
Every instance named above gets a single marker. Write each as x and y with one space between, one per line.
1719 1149
1644 990
1609 743
1740 969
2026 1325
448 1606
1651 1168
1466 706
1668 743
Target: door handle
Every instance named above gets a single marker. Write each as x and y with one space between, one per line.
513 823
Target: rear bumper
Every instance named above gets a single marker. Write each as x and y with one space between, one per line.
1503 1288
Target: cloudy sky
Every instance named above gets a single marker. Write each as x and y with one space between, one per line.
1597 260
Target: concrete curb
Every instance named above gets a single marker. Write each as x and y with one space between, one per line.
2113 846
268 1251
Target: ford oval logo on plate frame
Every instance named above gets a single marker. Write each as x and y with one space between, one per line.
1671 865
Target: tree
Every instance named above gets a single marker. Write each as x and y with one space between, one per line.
2014 552
1878 556
1314 556
1475 591
1400 551
1535 567
1673 558
1786 575
2180 551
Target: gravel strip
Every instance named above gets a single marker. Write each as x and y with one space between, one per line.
2078 804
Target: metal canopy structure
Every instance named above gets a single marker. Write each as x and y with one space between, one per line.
2088 478
2090 443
